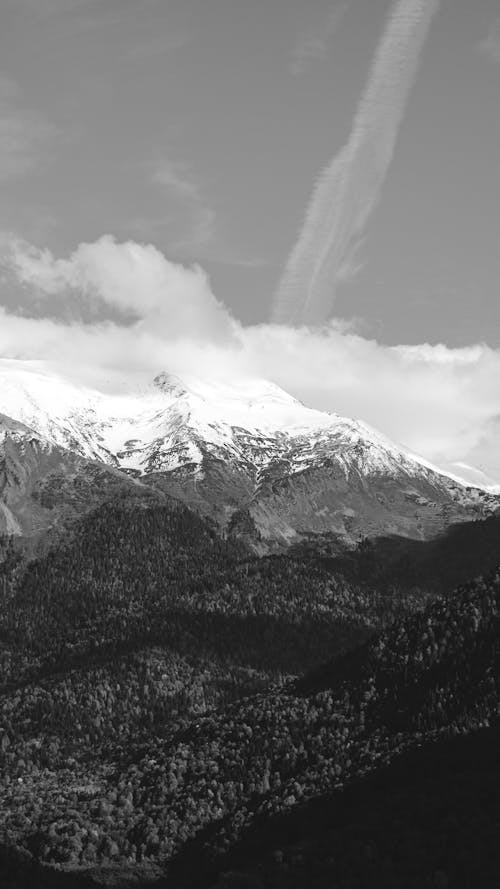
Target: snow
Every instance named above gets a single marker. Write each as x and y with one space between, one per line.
172 422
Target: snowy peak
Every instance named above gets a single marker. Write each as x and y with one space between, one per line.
169 383
248 404
245 453
174 422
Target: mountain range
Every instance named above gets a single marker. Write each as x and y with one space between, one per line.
247 455
241 643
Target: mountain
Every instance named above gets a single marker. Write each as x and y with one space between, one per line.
164 692
248 455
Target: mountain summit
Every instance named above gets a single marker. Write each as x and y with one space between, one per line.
246 454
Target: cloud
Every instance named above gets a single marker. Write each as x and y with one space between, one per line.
313 47
24 134
433 399
349 188
190 223
178 183
485 455
135 279
442 403
175 176
490 46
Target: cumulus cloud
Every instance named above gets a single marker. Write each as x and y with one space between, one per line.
134 278
442 403
349 188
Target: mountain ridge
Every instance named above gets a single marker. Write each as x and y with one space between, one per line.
247 455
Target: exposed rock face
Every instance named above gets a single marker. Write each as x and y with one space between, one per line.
248 455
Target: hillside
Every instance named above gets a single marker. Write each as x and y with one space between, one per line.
428 819
125 730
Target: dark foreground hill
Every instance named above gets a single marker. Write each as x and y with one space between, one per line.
430 819
125 656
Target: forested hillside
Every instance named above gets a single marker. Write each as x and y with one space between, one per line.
430 819
461 553
134 576
150 690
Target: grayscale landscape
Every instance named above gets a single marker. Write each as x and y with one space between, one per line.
249 444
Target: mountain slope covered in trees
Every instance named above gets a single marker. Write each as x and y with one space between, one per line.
150 693
430 819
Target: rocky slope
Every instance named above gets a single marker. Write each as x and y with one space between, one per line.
249 455
44 486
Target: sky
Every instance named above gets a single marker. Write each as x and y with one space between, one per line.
157 162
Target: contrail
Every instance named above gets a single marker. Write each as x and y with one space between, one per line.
349 187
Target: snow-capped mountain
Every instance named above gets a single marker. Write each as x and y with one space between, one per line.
247 454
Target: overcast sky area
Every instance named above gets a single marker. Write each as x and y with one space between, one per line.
199 128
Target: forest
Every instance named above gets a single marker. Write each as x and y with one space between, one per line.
163 690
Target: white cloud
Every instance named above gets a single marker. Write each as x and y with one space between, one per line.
438 401
133 278
314 46
349 188
490 46
434 399
24 134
